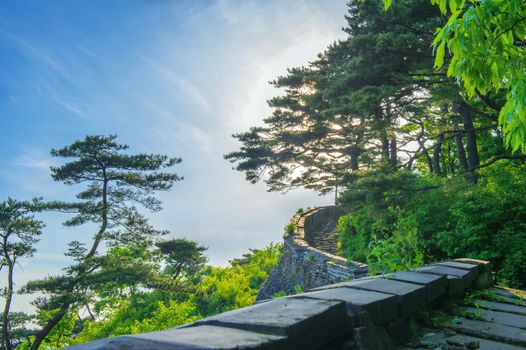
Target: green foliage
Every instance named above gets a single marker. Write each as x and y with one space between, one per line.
486 41
442 218
353 241
289 229
385 247
19 233
334 117
220 289
125 320
115 183
298 289
184 258
489 223
224 289
279 294
401 250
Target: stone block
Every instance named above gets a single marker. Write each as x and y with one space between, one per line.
463 340
497 317
436 285
192 338
473 268
381 308
458 279
371 337
504 307
307 323
460 265
399 331
411 297
485 278
491 331
509 294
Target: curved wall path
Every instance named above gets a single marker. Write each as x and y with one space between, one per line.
309 259
365 314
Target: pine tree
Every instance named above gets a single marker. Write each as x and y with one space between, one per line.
19 231
115 183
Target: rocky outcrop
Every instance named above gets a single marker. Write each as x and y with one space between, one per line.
309 259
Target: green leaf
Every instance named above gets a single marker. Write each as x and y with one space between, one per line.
443 6
439 59
453 5
387 4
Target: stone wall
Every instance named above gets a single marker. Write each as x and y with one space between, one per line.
364 314
303 266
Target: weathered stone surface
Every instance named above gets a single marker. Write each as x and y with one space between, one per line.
307 323
123 342
485 279
399 331
192 338
499 317
371 337
463 340
382 308
458 279
438 340
411 297
491 331
460 265
504 307
507 294
302 263
436 285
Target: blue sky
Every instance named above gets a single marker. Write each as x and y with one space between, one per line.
171 77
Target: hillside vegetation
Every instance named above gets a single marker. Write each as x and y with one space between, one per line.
416 120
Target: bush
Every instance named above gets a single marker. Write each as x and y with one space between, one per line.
402 250
490 223
395 223
289 229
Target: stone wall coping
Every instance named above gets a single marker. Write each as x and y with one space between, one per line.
355 312
298 240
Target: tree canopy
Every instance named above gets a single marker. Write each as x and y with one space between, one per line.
116 182
19 232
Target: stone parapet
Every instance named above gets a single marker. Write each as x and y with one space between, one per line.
303 266
366 313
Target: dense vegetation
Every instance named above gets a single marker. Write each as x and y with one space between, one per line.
202 292
416 119
130 278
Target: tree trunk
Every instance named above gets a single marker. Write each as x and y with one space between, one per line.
393 155
436 155
426 154
471 137
354 159
104 224
6 339
385 145
42 334
460 146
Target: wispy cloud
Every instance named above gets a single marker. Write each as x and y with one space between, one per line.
42 56
28 161
54 76
175 130
180 84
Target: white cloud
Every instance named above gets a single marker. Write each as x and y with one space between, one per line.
28 161
180 84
